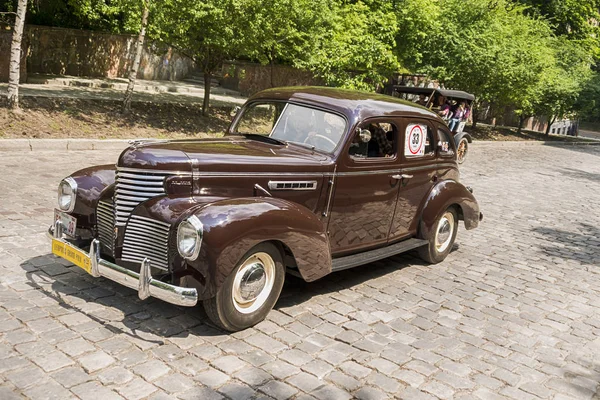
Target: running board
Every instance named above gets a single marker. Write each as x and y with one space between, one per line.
355 260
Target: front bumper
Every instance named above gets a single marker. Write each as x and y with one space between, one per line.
142 282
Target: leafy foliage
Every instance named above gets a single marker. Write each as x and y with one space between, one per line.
536 56
356 51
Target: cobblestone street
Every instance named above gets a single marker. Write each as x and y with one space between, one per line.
513 312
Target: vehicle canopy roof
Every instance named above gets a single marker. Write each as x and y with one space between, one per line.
355 105
452 94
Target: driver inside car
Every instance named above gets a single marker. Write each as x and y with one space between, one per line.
379 145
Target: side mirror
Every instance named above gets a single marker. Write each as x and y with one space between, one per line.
235 110
364 134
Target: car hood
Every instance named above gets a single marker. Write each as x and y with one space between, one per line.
229 154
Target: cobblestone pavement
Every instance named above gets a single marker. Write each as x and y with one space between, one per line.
513 312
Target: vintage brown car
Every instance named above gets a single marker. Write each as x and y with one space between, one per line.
307 181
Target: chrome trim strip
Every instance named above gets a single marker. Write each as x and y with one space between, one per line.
129 181
154 171
316 174
205 174
262 189
310 185
331 184
153 221
148 188
181 296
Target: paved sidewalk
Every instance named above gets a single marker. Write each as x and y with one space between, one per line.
512 313
114 89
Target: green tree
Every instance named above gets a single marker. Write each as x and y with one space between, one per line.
356 50
562 83
491 49
139 48
283 31
209 32
588 102
14 72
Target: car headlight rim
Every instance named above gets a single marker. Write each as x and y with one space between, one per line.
190 230
66 199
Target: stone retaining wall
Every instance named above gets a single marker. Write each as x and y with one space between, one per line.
249 78
60 51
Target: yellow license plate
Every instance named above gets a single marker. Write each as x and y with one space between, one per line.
71 254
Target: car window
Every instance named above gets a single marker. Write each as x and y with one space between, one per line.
293 123
374 140
419 140
260 118
445 142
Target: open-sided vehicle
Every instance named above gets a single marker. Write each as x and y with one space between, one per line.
435 99
308 181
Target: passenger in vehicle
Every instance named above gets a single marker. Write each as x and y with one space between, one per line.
443 108
458 115
422 100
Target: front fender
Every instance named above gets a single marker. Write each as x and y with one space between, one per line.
233 226
443 195
90 184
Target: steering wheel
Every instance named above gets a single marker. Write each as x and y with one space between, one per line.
316 135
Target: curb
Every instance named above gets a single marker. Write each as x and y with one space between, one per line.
592 142
62 144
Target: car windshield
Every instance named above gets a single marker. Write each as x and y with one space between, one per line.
292 123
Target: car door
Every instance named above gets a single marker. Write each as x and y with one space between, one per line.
446 154
417 157
366 191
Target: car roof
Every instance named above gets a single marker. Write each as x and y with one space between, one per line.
355 104
457 94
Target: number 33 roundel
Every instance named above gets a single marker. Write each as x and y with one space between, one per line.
415 140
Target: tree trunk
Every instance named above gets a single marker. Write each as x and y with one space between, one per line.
139 48
14 74
474 115
207 82
550 122
521 122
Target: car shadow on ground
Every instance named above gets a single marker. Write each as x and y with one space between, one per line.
579 174
592 149
582 246
153 320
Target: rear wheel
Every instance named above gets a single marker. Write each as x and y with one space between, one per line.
250 291
441 238
462 150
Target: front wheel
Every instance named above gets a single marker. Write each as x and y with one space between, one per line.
250 291
461 150
441 238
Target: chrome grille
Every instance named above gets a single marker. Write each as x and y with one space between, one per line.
134 187
105 223
146 238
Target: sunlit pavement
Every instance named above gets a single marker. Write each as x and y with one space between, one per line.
513 312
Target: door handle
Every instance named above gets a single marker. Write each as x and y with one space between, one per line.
402 176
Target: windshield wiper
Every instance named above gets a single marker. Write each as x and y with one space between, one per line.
310 146
264 138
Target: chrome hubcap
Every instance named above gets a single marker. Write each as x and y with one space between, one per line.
445 229
253 283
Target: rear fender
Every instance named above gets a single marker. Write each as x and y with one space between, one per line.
233 226
443 195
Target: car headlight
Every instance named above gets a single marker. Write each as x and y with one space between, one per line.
189 238
66 194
